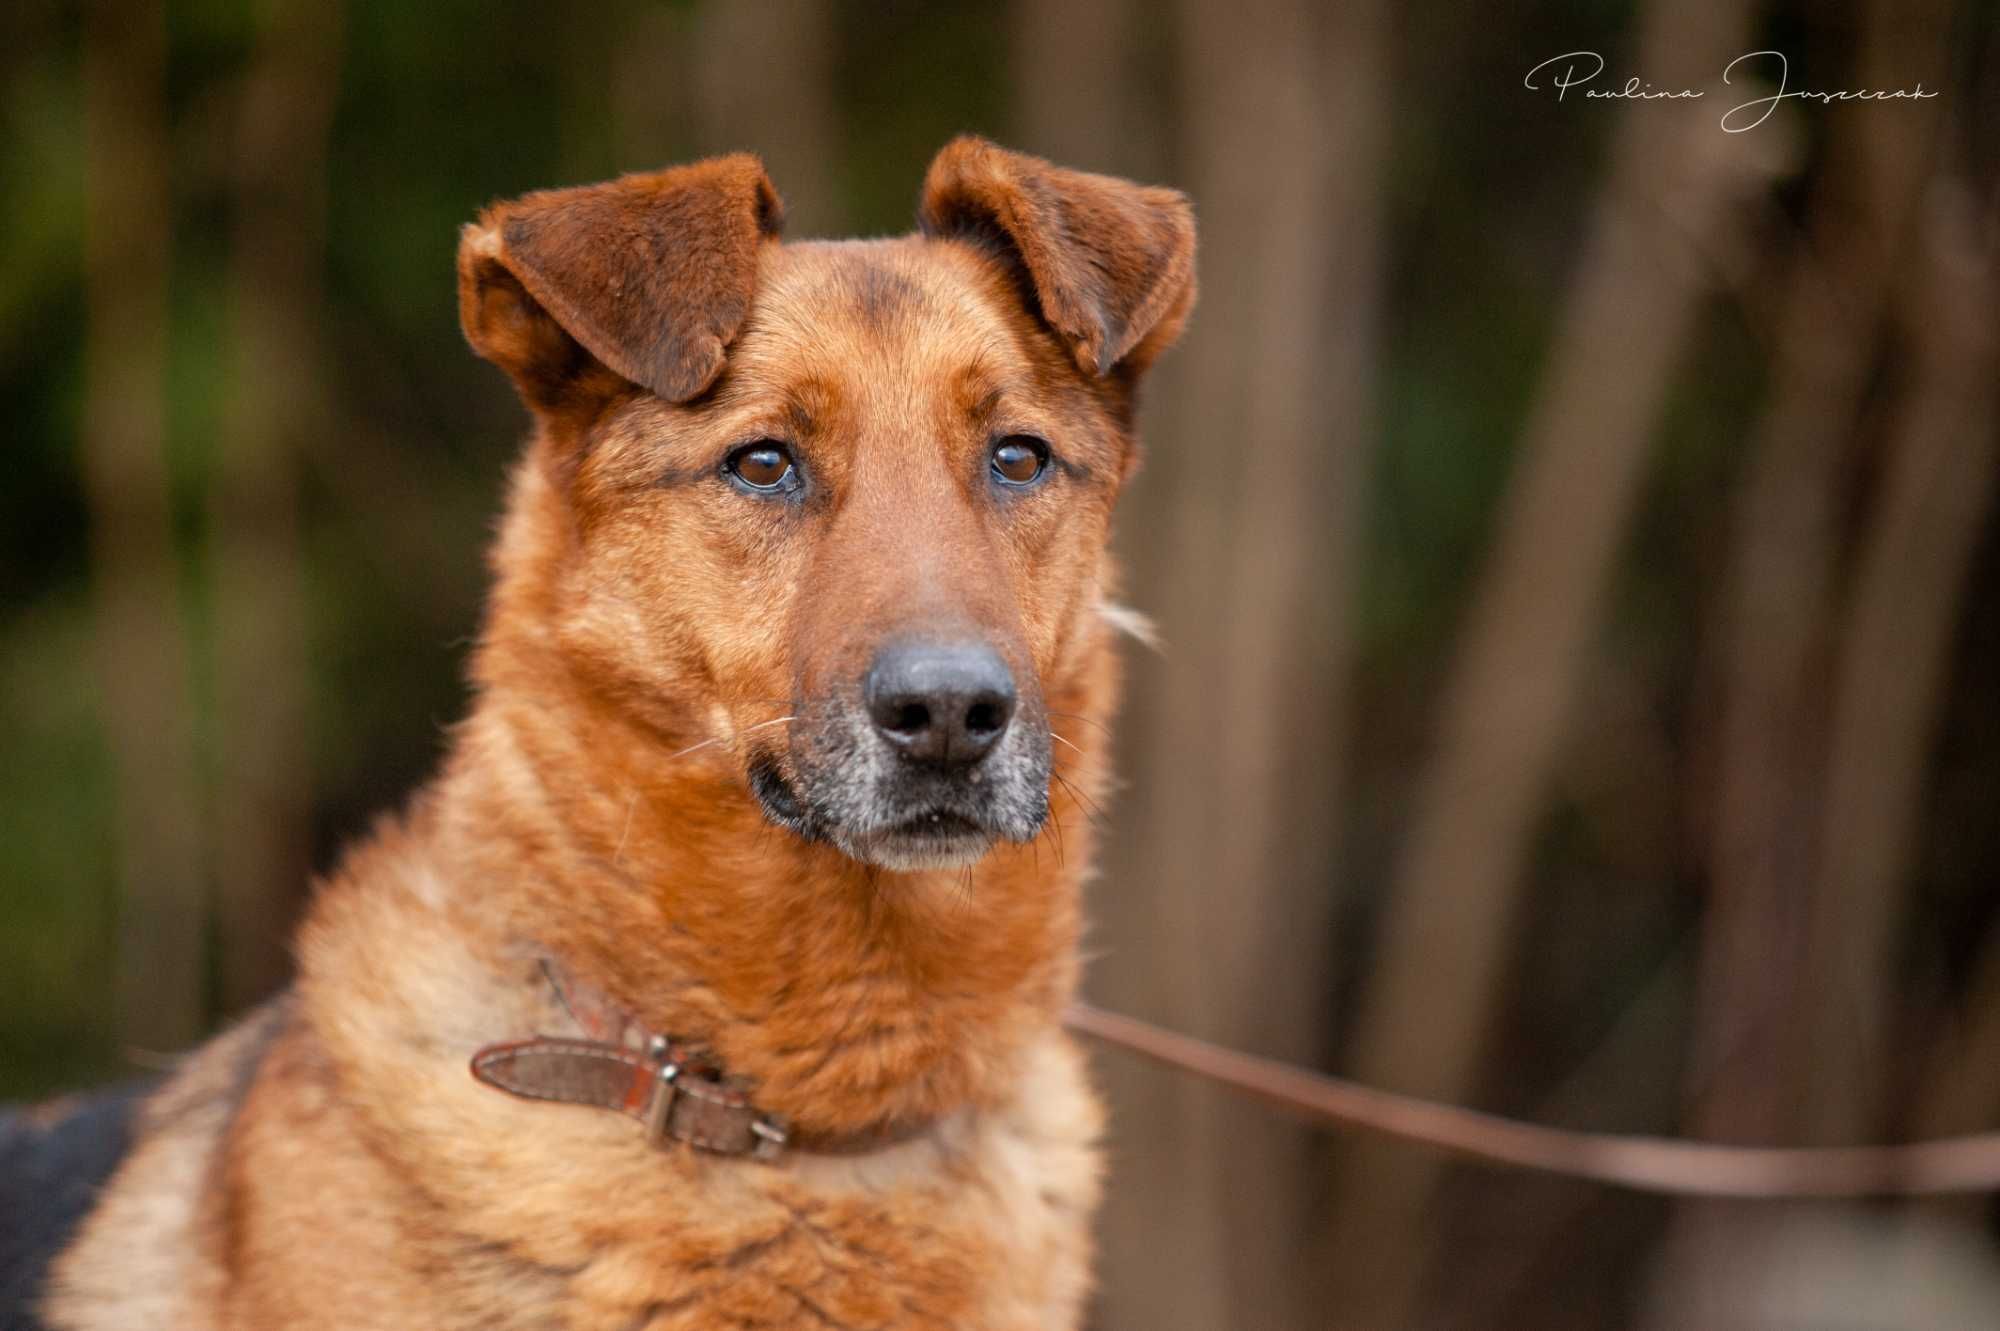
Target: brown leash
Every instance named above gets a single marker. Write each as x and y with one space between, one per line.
1650 1164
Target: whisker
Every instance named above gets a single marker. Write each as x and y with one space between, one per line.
696 747
1087 720
718 739
1084 802
1054 825
1060 740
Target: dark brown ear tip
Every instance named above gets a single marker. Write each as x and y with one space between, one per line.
588 259
1111 260
969 145
770 209
968 164
1174 203
478 240
480 269
745 172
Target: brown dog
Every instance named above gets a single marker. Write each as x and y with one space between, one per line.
764 827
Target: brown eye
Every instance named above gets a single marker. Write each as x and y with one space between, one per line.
765 465
1019 459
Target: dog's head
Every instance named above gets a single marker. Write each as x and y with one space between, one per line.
839 508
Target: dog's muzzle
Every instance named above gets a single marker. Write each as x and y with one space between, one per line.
940 756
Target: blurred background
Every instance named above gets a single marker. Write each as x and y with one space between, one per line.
1571 529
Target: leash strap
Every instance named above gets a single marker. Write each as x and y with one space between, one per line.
1649 1164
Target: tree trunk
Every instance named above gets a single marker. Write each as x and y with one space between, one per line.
1458 887
1895 647
1216 901
1763 1047
1075 88
276 400
1939 496
694 81
141 646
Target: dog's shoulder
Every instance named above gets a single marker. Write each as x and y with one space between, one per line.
112 1188
55 1159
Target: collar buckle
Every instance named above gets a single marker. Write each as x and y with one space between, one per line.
771 1138
666 1073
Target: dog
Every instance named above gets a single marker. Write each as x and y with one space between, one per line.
717 978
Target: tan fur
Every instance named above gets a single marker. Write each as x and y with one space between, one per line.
334 1165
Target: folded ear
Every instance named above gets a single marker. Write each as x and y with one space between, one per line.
1110 263
652 275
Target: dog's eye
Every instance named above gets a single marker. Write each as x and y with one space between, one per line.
1019 459
764 465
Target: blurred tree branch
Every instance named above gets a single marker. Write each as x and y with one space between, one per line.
1242 531
142 647
1776 1024
1771 907
744 77
1895 658
1940 493
1457 889
1072 67
276 399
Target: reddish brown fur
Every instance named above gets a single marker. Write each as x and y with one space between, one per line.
642 608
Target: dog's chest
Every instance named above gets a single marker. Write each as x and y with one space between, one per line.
985 1231
990 1236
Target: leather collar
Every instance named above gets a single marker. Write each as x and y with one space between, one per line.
671 1086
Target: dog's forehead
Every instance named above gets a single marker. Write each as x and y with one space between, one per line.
908 308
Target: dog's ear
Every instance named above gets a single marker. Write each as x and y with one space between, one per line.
1110 263
652 275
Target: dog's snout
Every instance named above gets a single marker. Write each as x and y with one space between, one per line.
942 703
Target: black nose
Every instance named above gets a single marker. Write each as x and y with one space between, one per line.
943 703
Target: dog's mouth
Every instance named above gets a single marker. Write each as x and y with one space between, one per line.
900 820
938 825
934 839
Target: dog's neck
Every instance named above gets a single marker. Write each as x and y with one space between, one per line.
847 995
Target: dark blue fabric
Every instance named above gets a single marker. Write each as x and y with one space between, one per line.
51 1174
